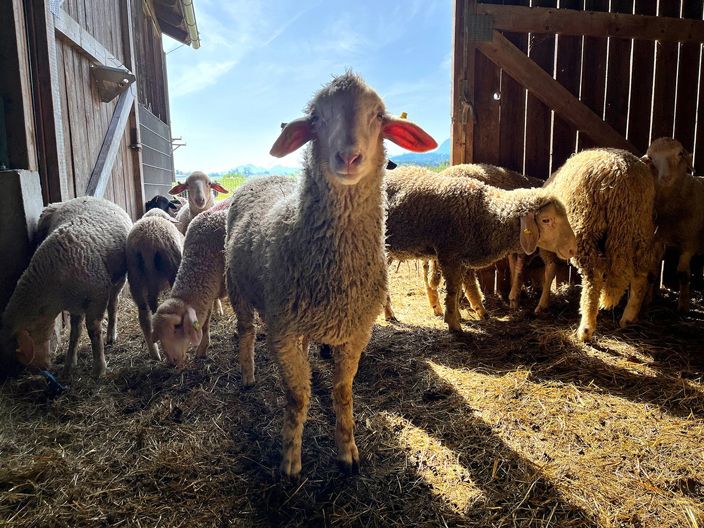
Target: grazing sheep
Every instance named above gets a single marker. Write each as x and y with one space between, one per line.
464 222
184 317
80 267
609 196
503 179
679 204
171 206
154 248
310 257
200 197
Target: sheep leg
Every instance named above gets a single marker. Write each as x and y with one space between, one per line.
112 311
592 284
474 292
217 308
639 287
145 322
346 364
548 278
94 327
519 261
247 335
72 353
431 285
453 282
389 314
683 275
295 373
202 349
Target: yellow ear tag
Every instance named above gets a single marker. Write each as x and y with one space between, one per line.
403 115
527 231
196 325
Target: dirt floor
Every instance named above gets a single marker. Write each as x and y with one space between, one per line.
513 424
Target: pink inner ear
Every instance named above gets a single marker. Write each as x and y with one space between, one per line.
219 188
178 189
293 136
408 135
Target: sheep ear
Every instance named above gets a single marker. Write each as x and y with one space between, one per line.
293 136
407 135
529 233
192 327
178 188
219 188
25 347
690 165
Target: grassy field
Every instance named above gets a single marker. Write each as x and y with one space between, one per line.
514 424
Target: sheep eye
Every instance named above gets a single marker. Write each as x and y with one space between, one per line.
546 220
380 116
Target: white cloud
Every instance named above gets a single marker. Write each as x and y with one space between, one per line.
202 75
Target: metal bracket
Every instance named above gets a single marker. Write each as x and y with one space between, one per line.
479 28
110 81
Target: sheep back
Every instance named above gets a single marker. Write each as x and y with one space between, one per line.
492 175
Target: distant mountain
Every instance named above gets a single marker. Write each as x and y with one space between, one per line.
248 170
436 157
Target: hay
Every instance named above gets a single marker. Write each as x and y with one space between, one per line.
514 424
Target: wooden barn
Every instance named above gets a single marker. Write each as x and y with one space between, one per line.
536 81
84 108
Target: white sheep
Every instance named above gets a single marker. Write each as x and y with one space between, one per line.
609 196
154 248
466 223
679 204
200 189
309 257
184 317
79 267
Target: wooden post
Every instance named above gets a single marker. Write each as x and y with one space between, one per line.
462 85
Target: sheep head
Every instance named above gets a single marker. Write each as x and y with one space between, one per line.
199 189
668 160
33 346
549 228
347 122
176 325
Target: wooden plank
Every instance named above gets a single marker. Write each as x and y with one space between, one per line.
541 50
70 30
486 107
593 84
567 73
513 107
687 81
665 79
640 107
552 93
595 24
618 74
111 143
463 55
699 134
65 118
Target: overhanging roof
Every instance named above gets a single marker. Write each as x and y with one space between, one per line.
177 19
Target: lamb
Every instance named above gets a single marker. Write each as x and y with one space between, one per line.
609 196
80 267
154 248
679 203
199 283
200 197
464 222
309 257
171 206
503 179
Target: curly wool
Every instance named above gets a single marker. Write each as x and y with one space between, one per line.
609 196
80 258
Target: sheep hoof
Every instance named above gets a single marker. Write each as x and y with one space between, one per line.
584 333
391 319
437 311
541 310
624 322
289 468
682 307
349 462
154 353
99 371
247 382
111 339
481 314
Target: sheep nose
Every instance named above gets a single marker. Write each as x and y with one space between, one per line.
349 158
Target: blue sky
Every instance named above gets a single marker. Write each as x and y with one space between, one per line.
261 61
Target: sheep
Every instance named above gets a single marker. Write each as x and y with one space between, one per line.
503 179
679 204
199 283
309 257
609 196
154 248
171 206
464 222
80 267
200 197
